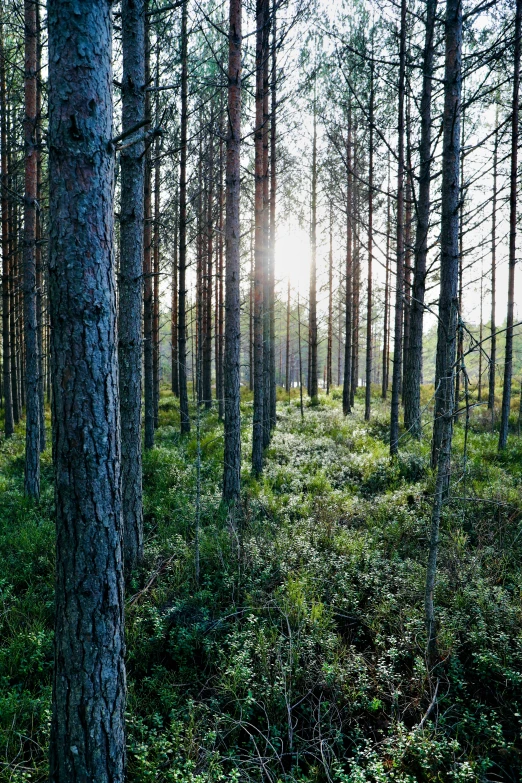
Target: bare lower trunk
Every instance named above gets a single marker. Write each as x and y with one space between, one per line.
257 434
348 275
148 346
32 364
508 361
399 280
6 336
413 369
232 357
182 324
448 302
87 730
493 332
312 381
368 390
131 280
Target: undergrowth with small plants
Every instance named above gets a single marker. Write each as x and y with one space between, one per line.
300 654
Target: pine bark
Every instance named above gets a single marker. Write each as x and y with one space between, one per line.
182 312
369 301
508 361
273 210
259 250
87 730
448 302
148 325
174 311
32 364
6 272
232 357
130 291
399 279
312 381
413 369
348 275
493 328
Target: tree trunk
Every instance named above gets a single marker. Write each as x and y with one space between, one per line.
87 730
287 356
131 279
6 272
220 307
257 434
368 390
329 348
493 351
273 196
348 274
448 302
413 370
312 381
39 232
232 358
182 312
174 311
399 280
148 346
32 411
156 264
508 362
386 329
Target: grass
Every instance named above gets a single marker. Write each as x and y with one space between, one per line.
300 654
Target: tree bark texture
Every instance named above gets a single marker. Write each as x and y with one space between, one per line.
32 364
259 250
182 320
368 390
493 328
508 361
232 357
6 272
348 275
449 236
399 279
312 381
130 343
87 732
148 297
413 368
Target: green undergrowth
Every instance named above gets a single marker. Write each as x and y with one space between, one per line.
300 655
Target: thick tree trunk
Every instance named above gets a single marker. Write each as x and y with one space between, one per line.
257 434
448 302
348 275
32 364
87 731
508 361
413 369
6 272
232 358
182 313
131 279
399 279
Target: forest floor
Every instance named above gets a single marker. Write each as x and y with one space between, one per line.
300 655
